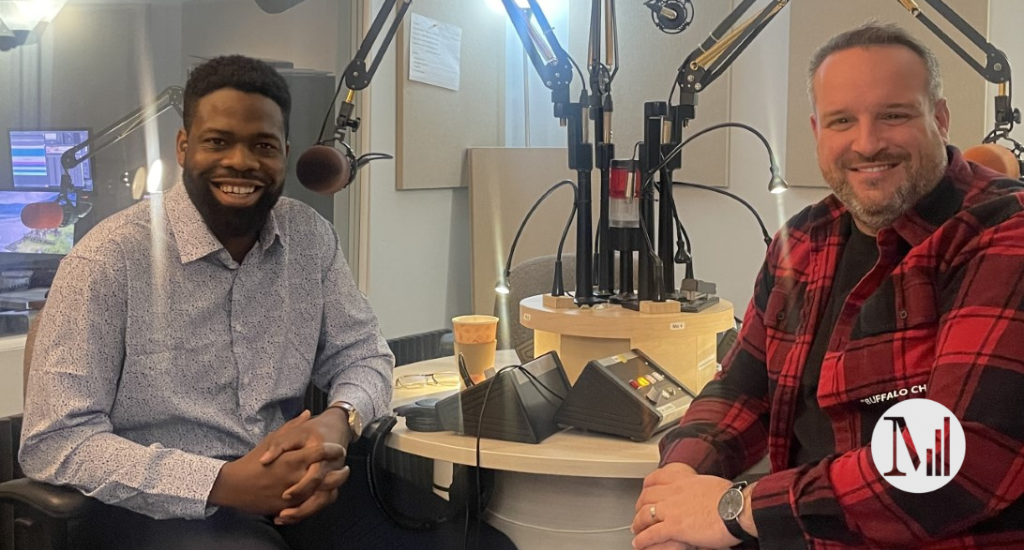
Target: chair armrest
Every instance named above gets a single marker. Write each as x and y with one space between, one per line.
52 500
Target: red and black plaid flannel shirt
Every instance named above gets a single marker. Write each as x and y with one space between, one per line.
943 308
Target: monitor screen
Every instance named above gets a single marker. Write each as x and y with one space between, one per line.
15 237
35 159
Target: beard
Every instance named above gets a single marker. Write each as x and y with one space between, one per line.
227 221
921 179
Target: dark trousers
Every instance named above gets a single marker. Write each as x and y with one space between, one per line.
351 522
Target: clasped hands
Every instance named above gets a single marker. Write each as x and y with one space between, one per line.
678 510
292 473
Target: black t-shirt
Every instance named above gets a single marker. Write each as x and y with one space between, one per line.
812 429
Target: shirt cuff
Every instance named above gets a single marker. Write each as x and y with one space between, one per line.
772 503
696 453
198 484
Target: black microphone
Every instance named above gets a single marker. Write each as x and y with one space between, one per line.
671 16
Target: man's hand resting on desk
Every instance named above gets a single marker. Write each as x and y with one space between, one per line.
281 477
678 509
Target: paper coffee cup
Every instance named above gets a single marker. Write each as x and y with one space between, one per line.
475 329
479 358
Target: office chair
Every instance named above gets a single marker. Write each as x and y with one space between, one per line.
530 278
33 515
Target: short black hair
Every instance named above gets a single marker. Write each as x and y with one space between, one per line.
878 34
238 72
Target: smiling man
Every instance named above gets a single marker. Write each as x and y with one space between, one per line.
233 157
178 342
904 283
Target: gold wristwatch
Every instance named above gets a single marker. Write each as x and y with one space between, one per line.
355 422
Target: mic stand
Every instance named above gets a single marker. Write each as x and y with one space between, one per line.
581 159
554 68
601 76
357 77
702 67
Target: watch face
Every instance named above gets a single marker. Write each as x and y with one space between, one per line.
731 504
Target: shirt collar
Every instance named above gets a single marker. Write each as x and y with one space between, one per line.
194 239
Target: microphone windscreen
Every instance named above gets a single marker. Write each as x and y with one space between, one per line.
42 215
995 157
323 169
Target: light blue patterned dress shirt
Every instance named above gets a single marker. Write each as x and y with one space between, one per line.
159 357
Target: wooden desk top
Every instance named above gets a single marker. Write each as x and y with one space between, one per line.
569 452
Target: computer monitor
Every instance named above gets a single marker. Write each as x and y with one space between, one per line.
17 239
35 159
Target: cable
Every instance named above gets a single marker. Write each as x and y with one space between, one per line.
659 266
479 430
565 230
647 239
542 384
764 230
650 246
583 81
684 240
330 109
534 381
675 151
522 226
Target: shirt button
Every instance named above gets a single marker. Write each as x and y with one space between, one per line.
903 314
780 315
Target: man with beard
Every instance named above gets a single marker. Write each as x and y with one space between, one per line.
178 341
904 283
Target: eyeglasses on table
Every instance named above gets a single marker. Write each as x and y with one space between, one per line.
413 381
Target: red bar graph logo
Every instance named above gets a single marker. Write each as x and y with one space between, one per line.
912 425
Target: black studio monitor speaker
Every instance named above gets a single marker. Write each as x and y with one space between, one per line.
516 405
627 395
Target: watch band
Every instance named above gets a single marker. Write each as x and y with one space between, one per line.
733 524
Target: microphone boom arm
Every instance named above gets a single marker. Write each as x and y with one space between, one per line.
713 56
357 75
171 97
996 69
554 66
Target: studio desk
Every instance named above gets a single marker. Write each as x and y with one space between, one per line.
575 490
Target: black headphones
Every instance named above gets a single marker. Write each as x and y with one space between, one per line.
463 495
421 416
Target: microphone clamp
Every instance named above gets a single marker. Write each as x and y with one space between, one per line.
671 16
